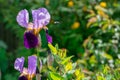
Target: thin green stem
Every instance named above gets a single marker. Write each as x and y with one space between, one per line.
38 62
37 52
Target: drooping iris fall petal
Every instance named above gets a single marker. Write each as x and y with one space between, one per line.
41 17
30 40
19 63
22 78
32 65
49 38
23 18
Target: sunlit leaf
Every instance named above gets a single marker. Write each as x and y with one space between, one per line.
107 56
52 48
66 60
93 59
104 26
55 76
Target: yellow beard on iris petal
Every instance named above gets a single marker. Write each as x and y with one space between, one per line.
30 76
34 30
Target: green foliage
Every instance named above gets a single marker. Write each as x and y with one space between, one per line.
3 60
55 76
62 68
88 30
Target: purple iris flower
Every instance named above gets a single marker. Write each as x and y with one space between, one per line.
41 18
32 64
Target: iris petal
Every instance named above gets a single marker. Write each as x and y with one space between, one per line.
22 78
32 64
30 40
19 63
23 18
49 38
41 17
35 20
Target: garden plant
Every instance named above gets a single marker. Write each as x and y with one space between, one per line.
60 40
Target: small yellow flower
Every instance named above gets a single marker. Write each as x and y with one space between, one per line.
75 25
68 66
77 72
103 4
47 2
79 75
70 3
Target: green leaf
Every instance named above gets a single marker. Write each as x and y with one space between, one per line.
3 45
90 15
55 76
3 60
52 48
108 56
66 60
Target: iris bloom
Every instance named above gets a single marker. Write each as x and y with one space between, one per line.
26 73
41 18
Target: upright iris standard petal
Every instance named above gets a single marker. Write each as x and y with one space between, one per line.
32 65
23 18
19 63
30 40
35 20
41 17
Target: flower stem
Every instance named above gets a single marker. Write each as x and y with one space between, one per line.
38 56
38 62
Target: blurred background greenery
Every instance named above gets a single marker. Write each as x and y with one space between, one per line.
88 29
